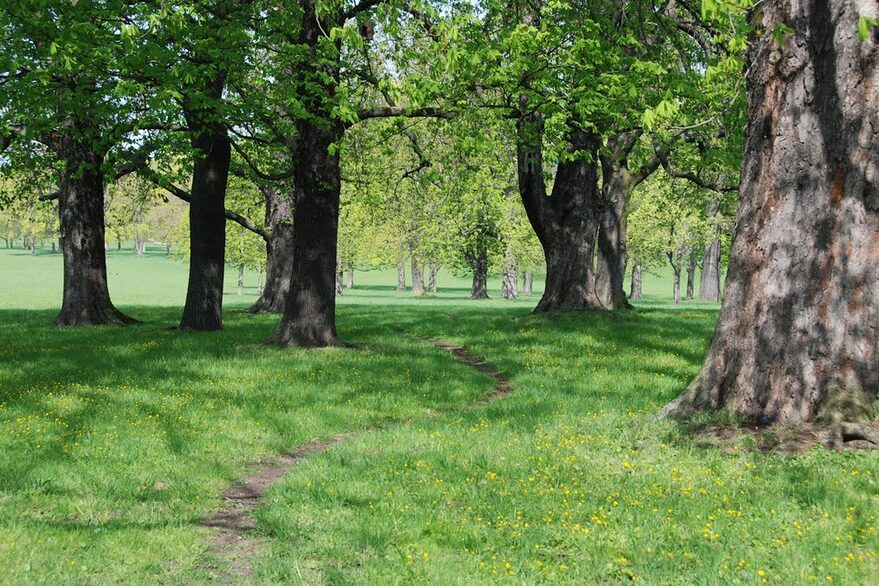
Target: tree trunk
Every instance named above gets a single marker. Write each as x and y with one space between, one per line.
610 271
676 260
691 276
279 252
417 279
798 335
528 283
479 289
139 244
81 211
350 284
510 280
565 223
709 286
432 269
168 248
207 216
339 278
635 294
401 275
53 247
240 280
118 243
310 314
259 274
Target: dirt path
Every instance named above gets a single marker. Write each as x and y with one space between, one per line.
235 540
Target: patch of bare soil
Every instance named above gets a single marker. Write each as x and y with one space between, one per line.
792 440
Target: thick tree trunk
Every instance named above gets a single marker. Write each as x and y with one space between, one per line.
350 284
798 335
432 269
417 279
81 211
565 223
279 252
510 280
139 244
635 293
610 273
310 314
479 289
709 286
691 276
528 283
207 219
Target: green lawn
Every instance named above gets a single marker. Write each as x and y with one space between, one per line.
114 444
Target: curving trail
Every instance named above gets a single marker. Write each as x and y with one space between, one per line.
234 539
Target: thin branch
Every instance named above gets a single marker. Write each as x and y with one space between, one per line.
256 170
361 6
396 111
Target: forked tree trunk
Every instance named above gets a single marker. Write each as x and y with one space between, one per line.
798 335
203 310
350 284
310 314
691 276
610 273
709 286
81 210
279 252
417 279
676 260
479 288
565 223
635 293
139 244
432 269
528 283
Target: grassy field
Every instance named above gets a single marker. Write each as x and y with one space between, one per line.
115 443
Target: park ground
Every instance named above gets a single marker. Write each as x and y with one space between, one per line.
115 444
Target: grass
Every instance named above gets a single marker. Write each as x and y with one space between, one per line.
115 442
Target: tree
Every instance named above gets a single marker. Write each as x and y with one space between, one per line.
798 335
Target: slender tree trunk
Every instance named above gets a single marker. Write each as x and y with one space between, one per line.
635 294
168 248
709 285
207 215
567 222
528 284
240 279
259 275
118 243
279 252
81 211
417 278
691 275
610 273
676 260
510 279
310 314
53 247
798 335
339 278
139 244
479 289
432 269
350 284
401 274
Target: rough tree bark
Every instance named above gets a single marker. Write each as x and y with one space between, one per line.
691 275
417 278
676 260
510 279
567 221
432 269
339 278
279 252
86 298
479 262
798 335
401 274
709 286
350 283
635 292
207 212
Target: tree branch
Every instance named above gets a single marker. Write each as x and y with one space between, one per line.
256 170
361 6
396 111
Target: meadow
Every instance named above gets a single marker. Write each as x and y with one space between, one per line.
115 444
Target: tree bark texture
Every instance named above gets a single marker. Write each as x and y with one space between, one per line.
635 293
203 310
432 269
417 279
798 332
610 274
565 222
528 283
86 298
401 275
350 283
691 275
709 285
510 279
479 289
279 252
